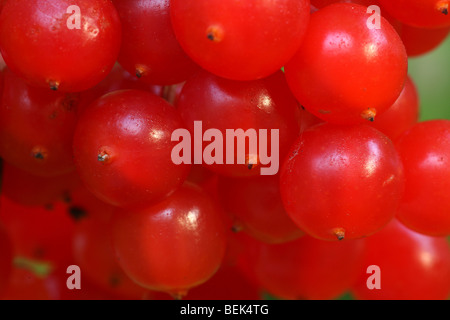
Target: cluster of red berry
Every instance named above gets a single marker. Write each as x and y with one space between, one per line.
216 149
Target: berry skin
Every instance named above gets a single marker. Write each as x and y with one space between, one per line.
305 268
424 150
402 115
38 45
344 71
122 148
341 182
265 104
240 40
255 203
37 127
412 266
149 49
420 41
427 14
94 254
174 245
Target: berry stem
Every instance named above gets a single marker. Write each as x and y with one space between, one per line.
179 295
339 233
54 85
39 153
214 33
442 6
104 155
369 114
140 71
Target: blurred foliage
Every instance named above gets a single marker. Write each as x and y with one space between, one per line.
431 74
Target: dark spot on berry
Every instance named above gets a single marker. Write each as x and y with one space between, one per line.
39 153
339 233
54 85
77 213
214 33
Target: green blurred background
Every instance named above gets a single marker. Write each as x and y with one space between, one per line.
431 74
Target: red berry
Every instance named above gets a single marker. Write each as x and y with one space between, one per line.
344 71
149 48
419 13
66 45
411 266
425 152
240 40
172 246
402 115
123 147
37 127
342 181
255 203
305 268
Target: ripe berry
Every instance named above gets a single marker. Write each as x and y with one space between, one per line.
122 148
172 246
411 266
425 152
149 49
341 181
66 45
344 71
240 40
419 13
305 268
37 127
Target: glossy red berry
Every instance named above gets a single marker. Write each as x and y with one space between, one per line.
402 115
264 107
346 72
37 127
408 266
342 181
256 206
240 40
419 13
123 148
149 48
174 245
117 79
425 152
66 45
